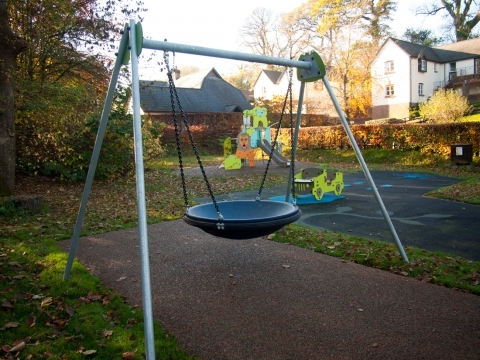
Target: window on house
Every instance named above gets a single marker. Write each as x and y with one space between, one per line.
264 90
435 67
422 65
453 71
389 66
389 90
420 89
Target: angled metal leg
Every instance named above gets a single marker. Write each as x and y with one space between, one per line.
386 216
96 152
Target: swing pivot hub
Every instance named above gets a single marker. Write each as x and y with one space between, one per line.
316 70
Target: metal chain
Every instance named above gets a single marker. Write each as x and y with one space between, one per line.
177 135
292 157
173 92
270 156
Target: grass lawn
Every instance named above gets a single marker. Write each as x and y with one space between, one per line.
42 316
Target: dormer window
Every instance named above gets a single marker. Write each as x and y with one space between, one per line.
422 65
389 67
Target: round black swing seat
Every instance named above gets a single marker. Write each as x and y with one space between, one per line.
242 219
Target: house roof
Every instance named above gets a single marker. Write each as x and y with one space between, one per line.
207 94
195 80
273 75
441 54
471 46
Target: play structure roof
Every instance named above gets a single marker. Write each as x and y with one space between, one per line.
204 91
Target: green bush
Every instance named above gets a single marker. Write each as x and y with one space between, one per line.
56 128
445 106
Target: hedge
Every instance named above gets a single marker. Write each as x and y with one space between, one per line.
427 138
209 131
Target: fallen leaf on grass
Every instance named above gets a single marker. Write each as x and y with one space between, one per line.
11 325
69 310
89 352
31 320
47 301
128 356
107 333
7 306
15 348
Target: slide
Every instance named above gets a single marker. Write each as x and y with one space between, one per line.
276 156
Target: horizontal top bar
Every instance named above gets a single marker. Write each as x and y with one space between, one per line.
225 54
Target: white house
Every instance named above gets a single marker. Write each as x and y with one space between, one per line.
405 74
316 99
272 83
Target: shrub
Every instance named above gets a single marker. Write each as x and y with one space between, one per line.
57 127
427 138
445 106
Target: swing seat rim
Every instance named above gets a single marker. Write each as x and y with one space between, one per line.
238 222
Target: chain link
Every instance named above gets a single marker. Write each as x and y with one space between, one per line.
174 96
292 157
270 156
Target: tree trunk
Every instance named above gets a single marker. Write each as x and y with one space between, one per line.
10 47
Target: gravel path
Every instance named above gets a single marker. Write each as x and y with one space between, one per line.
257 299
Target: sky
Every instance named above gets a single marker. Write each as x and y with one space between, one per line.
217 23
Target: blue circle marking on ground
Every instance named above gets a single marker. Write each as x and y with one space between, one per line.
414 175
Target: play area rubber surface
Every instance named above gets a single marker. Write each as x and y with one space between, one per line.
258 299
421 221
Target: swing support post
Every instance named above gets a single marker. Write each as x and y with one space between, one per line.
358 153
309 67
96 153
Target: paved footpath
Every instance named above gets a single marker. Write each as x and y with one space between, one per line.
258 299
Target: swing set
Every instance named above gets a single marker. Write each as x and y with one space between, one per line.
235 219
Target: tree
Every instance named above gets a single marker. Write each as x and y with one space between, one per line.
352 74
257 32
245 76
463 15
10 47
353 31
285 36
421 37
62 76
445 106
371 15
